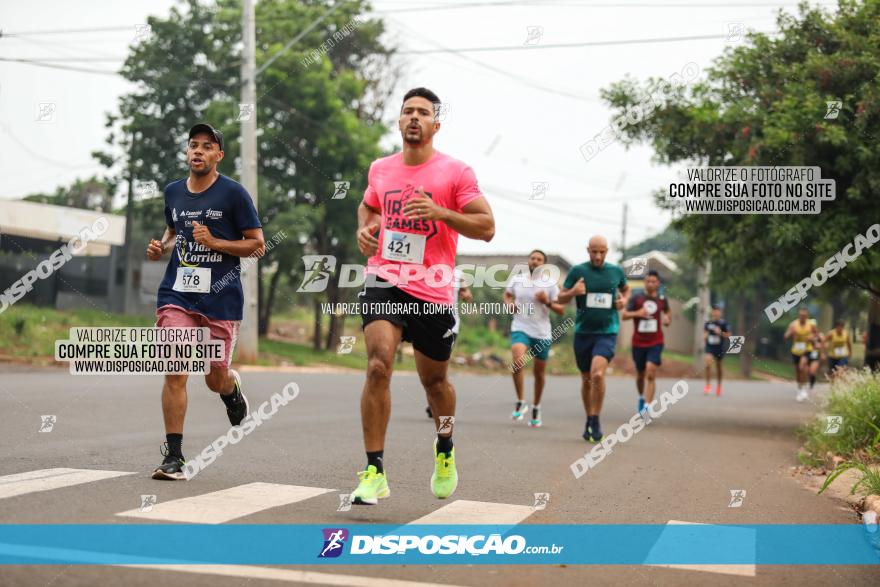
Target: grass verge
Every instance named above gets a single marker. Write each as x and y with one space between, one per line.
848 426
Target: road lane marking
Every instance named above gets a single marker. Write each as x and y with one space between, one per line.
290 575
228 504
739 570
240 571
47 479
463 511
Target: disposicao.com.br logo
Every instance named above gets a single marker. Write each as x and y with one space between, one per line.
319 270
454 544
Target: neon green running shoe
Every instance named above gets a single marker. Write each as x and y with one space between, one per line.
372 488
445 477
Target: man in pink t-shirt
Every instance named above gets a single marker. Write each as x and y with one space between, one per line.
419 201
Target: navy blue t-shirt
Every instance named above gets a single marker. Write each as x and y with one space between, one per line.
713 336
197 278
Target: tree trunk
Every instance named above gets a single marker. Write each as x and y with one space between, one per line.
321 244
261 305
872 348
266 315
743 317
701 311
838 308
316 337
333 332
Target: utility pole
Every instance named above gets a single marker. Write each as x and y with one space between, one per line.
247 337
702 310
248 332
129 214
623 234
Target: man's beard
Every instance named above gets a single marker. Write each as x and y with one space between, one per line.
201 172
418 136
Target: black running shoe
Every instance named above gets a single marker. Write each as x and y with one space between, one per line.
429 412
237 407
171 468
596 431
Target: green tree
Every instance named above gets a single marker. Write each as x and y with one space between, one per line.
764 103
94 193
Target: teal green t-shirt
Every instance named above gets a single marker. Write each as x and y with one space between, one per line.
596 311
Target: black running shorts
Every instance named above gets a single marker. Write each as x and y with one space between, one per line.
427 325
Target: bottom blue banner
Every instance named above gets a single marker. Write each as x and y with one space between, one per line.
357 544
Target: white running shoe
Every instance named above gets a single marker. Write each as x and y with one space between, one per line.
521 412
802 395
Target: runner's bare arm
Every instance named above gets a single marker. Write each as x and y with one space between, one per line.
252 243
156 249
578 289
630 314
508 299
555 306
667 315
474 221
368 223
788 331
624 296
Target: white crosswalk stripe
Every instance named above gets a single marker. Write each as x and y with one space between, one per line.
228 504
463 511
47 479
745 570
291 576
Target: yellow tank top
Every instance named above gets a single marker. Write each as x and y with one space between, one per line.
838 347
803 334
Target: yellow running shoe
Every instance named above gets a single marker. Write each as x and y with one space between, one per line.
445 477
373 486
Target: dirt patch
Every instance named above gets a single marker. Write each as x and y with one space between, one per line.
812 479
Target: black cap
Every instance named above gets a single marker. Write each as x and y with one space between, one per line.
207 128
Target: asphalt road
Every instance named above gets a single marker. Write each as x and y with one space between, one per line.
680 468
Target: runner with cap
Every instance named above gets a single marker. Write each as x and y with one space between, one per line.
211 222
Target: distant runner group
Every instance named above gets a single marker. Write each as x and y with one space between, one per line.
416 204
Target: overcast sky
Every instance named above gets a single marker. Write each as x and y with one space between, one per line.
518 117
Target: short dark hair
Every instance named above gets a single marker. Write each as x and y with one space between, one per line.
543 254
422 93
654 273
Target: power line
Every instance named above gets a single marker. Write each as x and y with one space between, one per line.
457 6
34 154
570 45
68 31
68 59
61 48
62 67
540 206
505 73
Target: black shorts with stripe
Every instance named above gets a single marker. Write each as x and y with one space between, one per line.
427 325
